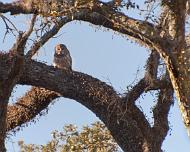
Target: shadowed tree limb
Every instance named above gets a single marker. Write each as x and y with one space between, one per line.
143 32
101 14
103 99
15 8
180 74
99 97
92 93
160 114
15 59
148 81
28 107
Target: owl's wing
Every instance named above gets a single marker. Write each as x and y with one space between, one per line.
69 60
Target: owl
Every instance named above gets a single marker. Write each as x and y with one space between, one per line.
62 58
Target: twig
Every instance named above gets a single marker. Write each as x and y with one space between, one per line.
5 20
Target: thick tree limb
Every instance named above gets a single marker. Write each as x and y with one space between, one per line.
15 8
100 13
95 95
28 107
180 77
15 58
145 33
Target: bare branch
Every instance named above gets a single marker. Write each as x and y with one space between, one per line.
136 91
8 28
35 47
147 81
30 29
160 113
152 66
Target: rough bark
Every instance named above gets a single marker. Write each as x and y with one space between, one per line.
179 57
92 93
12 74
33 103
126 122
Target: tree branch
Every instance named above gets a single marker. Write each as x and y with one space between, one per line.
55 29
100 13
152 67
13 8
180 72
136 91
92 93
15 60
28 107
160 113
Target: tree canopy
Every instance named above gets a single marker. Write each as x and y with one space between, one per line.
163 30
93 138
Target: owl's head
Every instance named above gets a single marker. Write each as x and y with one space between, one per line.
60 49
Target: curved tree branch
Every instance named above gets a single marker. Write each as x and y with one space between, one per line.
98 13
28 107
95 95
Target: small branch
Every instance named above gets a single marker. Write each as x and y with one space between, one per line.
30 29
160 113
152 66
135 92
151 73
36 46
8 28
143 84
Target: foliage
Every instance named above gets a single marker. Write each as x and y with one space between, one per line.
94 138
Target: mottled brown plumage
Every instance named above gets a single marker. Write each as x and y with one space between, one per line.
62 58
